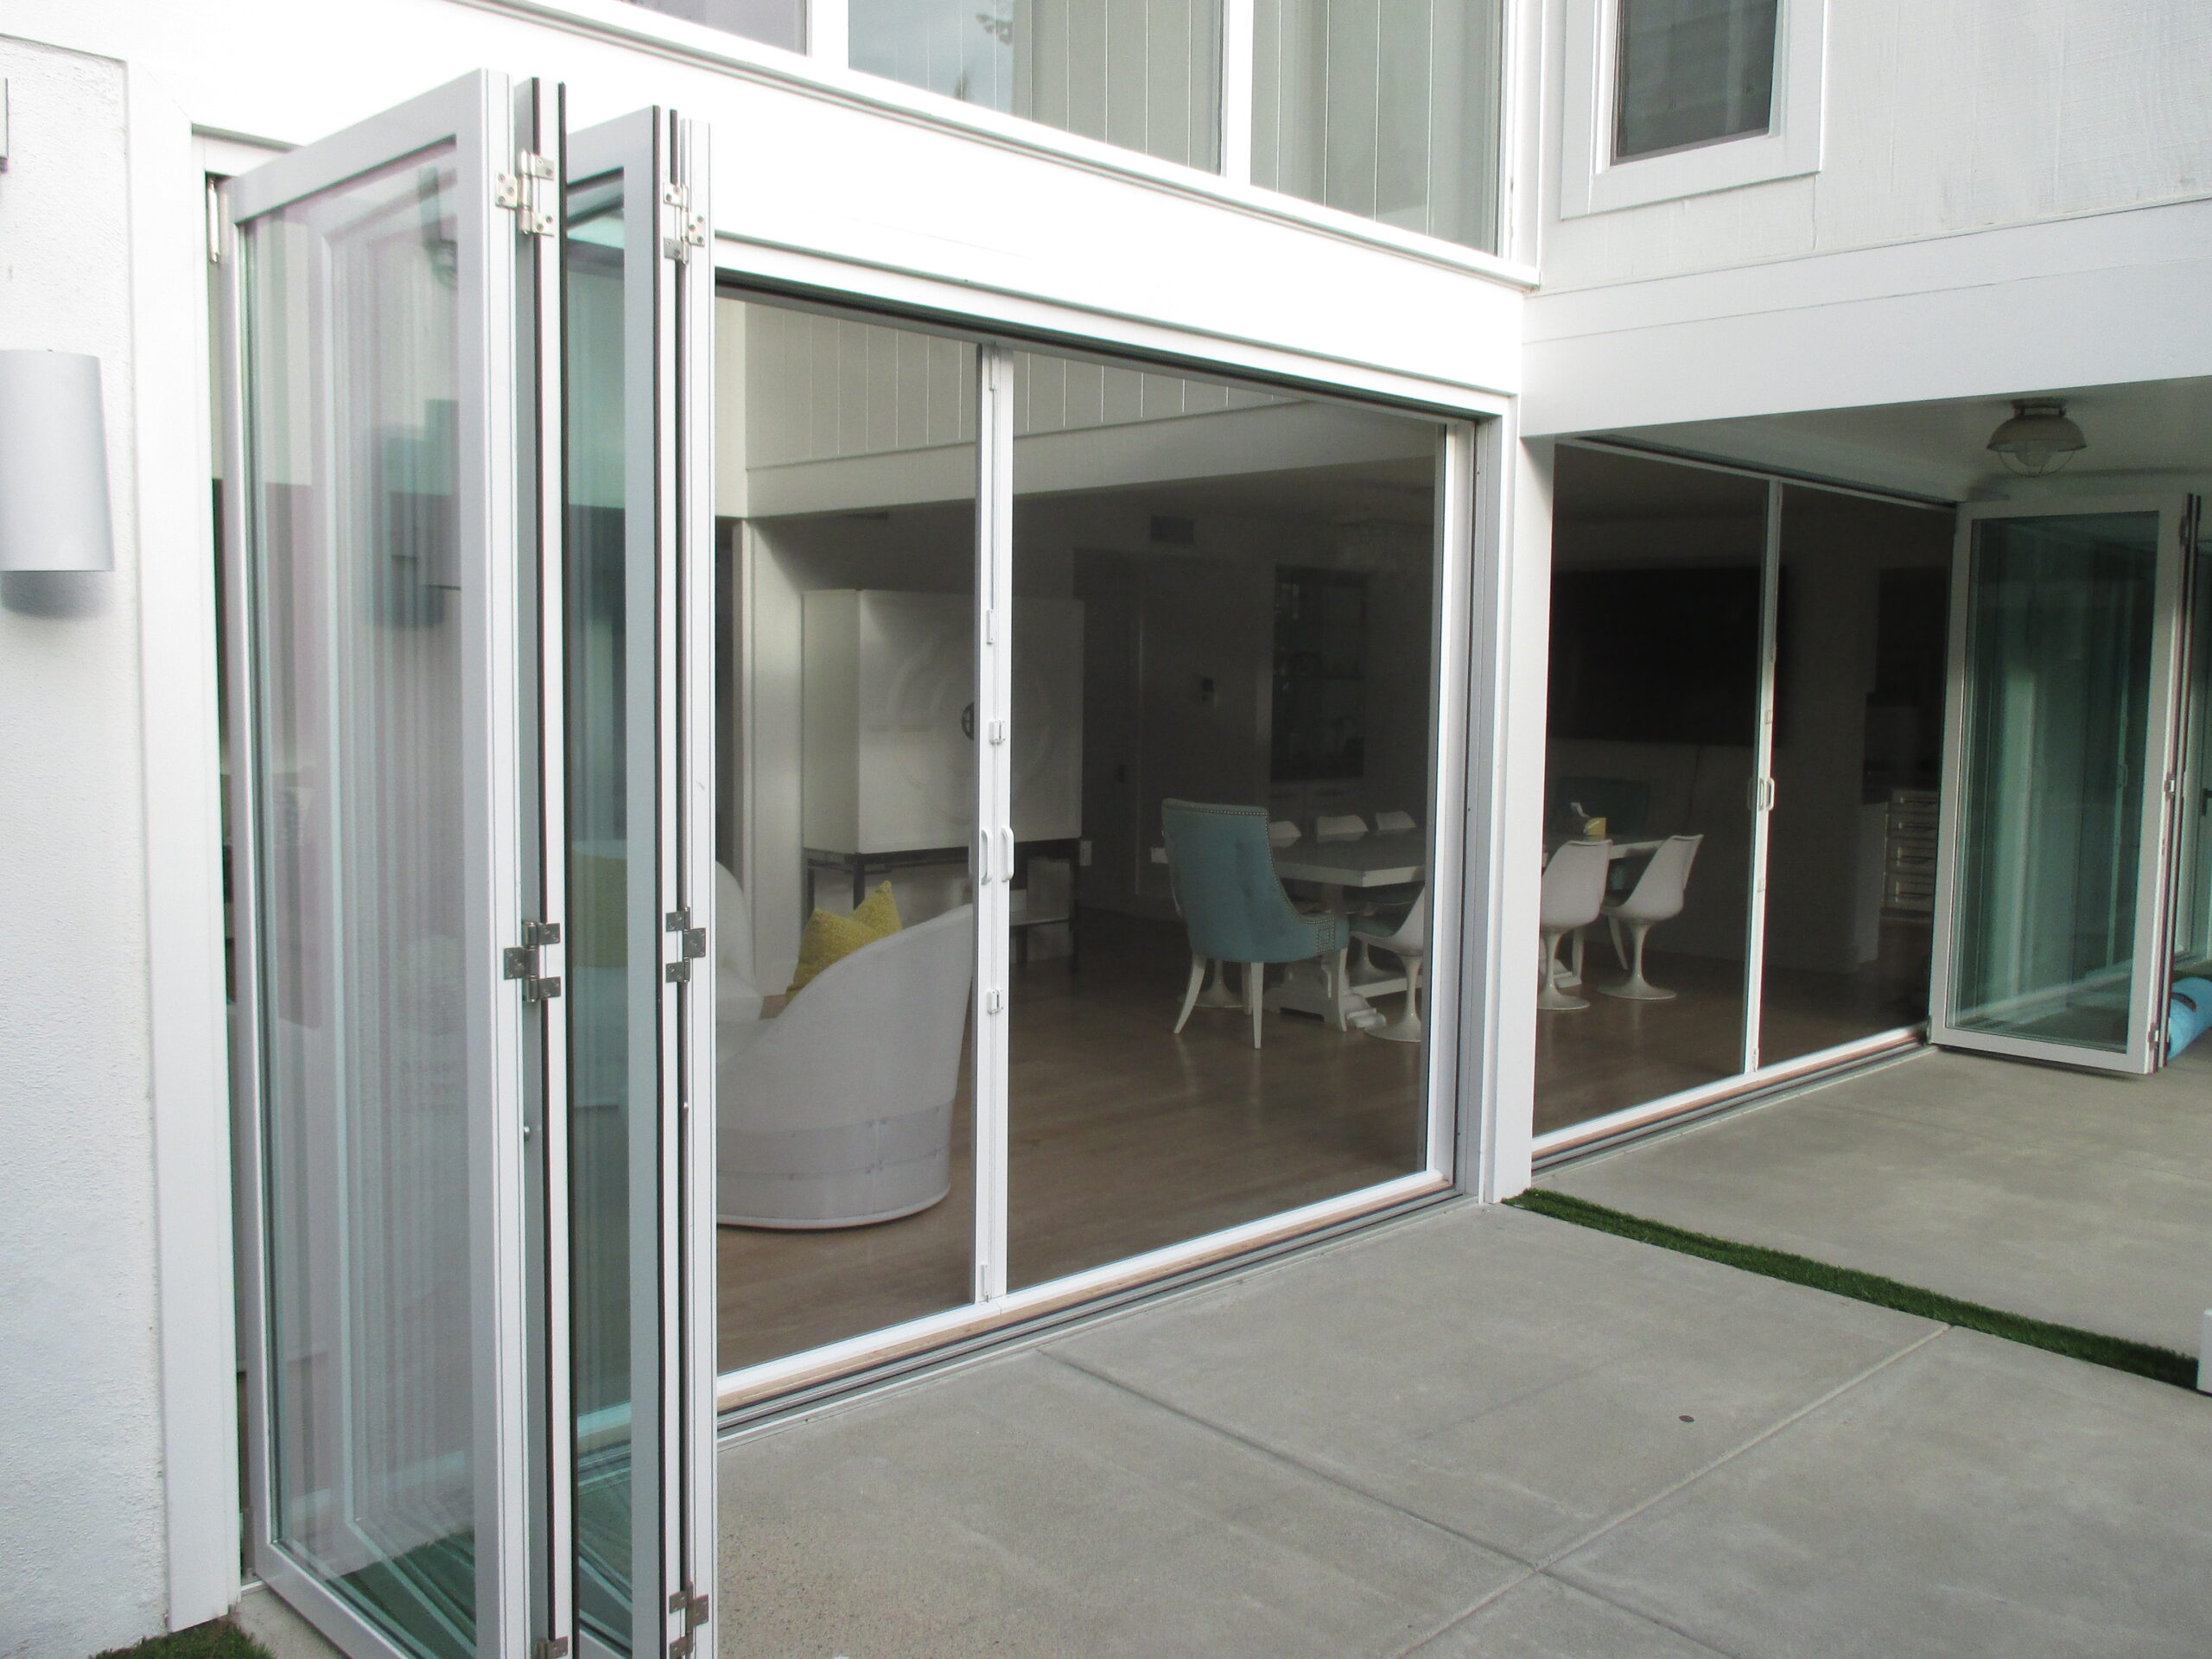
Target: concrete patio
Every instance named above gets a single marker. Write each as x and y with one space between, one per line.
2078 1197
1483 1431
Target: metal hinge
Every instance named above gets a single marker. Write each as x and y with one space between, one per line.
528 191
551 1647
691 1604
694 946
684 230
522 962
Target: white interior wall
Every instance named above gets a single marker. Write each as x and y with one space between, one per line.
82 1532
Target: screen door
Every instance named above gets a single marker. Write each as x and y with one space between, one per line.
466 917
2061 775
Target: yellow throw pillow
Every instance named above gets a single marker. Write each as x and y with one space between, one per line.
830 937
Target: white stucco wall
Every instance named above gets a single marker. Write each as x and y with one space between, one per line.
82 1537
1943 116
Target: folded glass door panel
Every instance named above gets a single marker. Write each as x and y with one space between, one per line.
381 453
2054 864
638 302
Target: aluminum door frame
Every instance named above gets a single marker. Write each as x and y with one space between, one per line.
2159 785
500 273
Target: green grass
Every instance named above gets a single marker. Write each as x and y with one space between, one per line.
218 1639
2163 1364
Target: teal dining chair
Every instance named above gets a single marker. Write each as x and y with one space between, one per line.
1233 903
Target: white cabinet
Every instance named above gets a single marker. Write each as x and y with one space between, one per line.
887 721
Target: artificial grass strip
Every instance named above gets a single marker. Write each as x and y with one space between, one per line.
217 1639
2141 1358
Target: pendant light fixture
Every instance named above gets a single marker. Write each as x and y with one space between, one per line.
2038 439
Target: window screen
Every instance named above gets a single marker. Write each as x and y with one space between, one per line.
1692 71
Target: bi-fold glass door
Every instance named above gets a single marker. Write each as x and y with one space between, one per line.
471 891
2065 808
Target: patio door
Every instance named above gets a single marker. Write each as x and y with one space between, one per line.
2055 861
467 889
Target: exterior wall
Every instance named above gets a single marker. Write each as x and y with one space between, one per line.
1944 117
118 1409
82 1532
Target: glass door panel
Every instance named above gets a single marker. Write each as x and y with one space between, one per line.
1857 762
1657 593
1225 617
375 499
631 561
2052 925
846 961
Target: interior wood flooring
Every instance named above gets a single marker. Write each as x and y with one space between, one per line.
1616 1054
1123 1138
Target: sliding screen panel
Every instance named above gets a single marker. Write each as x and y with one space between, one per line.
1220 758
1857 761
2053 885
1655 672
846 960
377 504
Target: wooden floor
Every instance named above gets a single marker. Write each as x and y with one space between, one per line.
1122 1138
1616 1054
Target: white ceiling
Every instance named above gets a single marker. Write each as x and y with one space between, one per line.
2147 434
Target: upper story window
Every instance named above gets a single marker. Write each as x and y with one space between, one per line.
773 23
1668 98
1692 72
1388 109
1145 75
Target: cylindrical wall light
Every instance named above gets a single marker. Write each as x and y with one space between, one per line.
53 464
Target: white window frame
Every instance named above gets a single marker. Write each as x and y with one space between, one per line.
1591 181
1465 1147
820 67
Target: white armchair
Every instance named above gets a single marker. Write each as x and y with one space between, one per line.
838 1112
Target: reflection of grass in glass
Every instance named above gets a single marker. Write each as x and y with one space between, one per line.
425 1599
603 1547
218 1639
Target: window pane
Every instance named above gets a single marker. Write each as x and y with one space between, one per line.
1145 75
1223 728
360 600
845 904
777 22
1692 71
1388 109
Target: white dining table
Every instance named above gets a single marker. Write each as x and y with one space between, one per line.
1336 868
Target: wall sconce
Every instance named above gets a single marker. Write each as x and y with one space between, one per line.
54 511
2038 439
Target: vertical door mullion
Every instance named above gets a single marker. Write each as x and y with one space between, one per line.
2156 887
492 820
557 1394
1761 801
994 817
1453 561
692 1339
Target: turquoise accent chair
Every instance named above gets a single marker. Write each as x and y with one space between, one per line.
1233 902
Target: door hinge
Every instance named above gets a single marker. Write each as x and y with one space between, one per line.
551 1647
528 191
691 1604
684 230
522 962
694 943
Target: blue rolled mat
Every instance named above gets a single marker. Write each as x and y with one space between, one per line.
2188 1014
